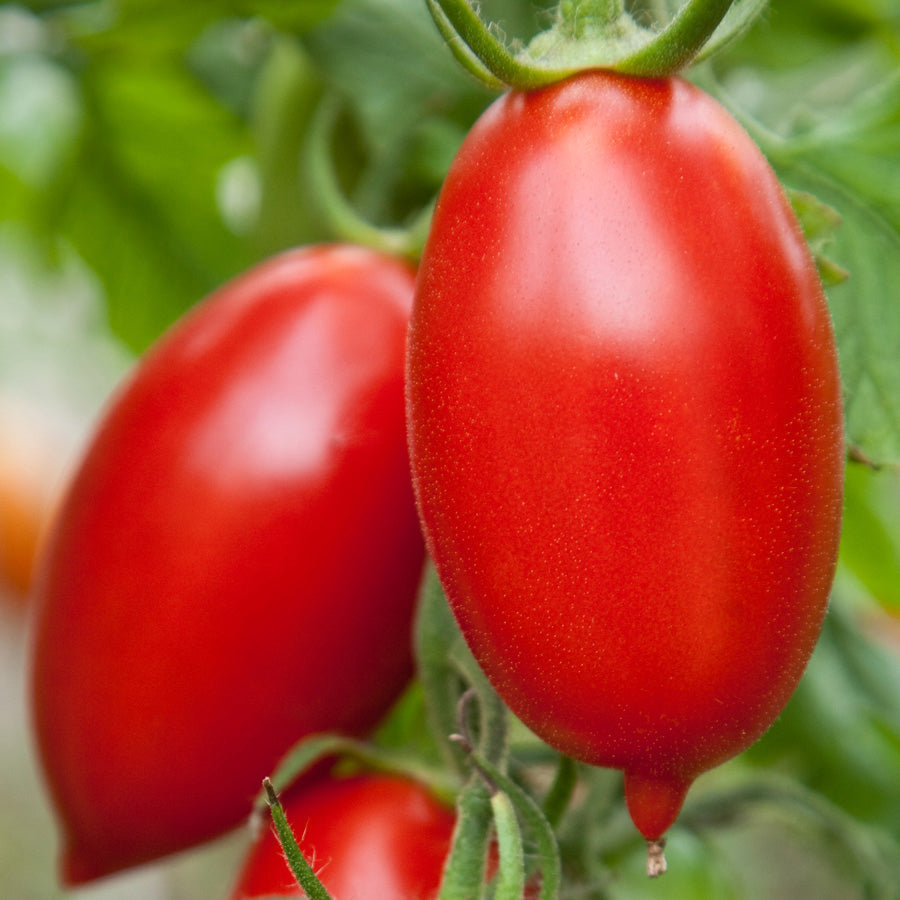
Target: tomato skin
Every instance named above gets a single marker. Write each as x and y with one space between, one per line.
625 426
236 562
381 837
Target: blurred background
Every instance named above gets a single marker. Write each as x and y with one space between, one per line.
152 149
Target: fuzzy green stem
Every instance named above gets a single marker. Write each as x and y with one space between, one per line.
302 870
464 871
464 55
679 42
534 819
511 870
491 51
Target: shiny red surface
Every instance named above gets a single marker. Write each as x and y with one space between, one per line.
235 565
625 426
369 837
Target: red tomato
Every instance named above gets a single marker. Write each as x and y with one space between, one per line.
236 563
625 426
376 837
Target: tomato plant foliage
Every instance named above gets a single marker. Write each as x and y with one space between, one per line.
153 149
236 562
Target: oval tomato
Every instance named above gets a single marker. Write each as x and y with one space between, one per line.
625 426
236 562
380 837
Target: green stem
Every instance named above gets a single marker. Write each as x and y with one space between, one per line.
547 855
579 17
511 868
467 59
435 635
679 42
311 750
302 870
464 871
560 793
741 15
490 50
342 218
492 720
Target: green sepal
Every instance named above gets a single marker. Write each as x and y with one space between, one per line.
592 34
820 223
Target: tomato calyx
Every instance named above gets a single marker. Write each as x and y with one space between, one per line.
591 34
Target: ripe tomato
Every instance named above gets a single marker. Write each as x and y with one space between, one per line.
236 562
379 837
625 426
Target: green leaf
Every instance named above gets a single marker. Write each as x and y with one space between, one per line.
154 28
834 735
140 204
870 538
387 61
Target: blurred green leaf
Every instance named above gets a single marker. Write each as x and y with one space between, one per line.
839 732
870 538
139 203
388 62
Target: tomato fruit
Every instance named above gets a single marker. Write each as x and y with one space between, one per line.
381 837
236 561
625 426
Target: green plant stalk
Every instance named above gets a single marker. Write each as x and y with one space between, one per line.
343 220
741 15
464 56
561 790
302 870
435 635
311 750
492 721
549 863
510 883
464 871
492 52
679 42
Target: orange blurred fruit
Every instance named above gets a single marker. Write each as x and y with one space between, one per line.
31 458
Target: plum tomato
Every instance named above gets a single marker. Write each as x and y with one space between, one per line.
236 560
625 425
